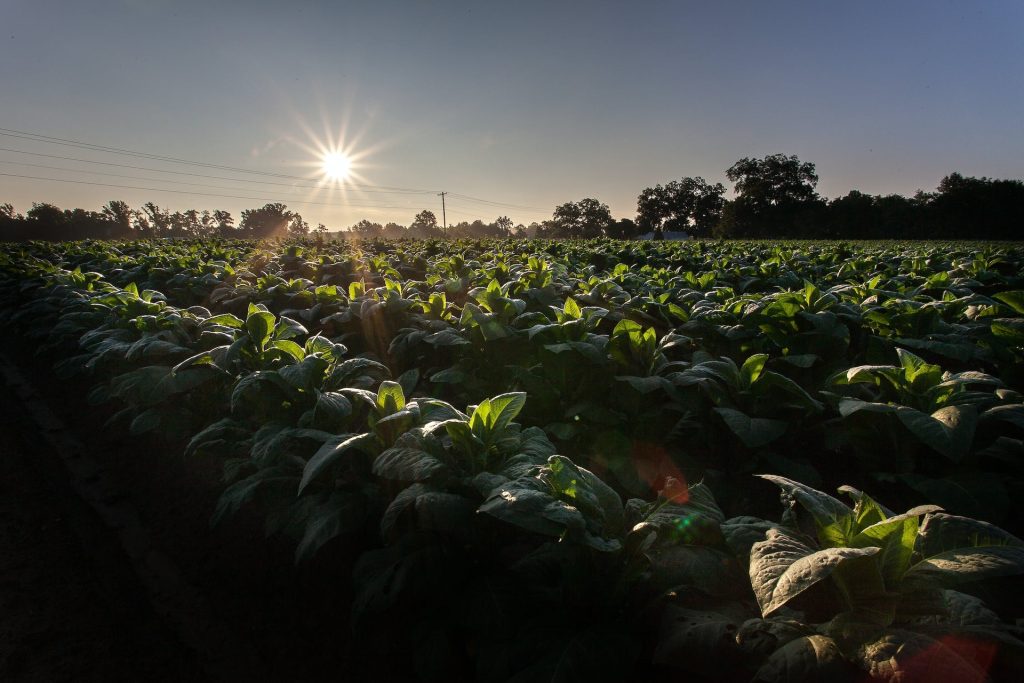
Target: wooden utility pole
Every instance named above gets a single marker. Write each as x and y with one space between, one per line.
444 219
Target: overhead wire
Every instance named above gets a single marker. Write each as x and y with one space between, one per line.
207 194
36 137
49 139
154 180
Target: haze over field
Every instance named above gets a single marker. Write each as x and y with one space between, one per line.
523 105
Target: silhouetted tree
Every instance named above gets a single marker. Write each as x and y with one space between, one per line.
224 222
503 226
686 205
120 215
394 231
271 220
771 194
45 222
623 229
585 218
424 225
364 229
298 227
978 207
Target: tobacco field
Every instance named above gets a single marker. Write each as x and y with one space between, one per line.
589 460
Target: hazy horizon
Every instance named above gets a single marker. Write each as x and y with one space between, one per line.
527 105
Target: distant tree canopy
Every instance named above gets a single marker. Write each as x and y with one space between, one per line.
272 220
585 218
774 197
424 225
687 205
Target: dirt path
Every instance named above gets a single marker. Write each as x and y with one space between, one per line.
71 608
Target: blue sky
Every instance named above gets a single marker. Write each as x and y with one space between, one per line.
530 104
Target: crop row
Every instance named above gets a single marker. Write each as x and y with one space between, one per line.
517 422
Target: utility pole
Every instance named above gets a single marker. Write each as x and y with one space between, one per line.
444 219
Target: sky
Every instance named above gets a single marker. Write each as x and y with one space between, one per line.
511 107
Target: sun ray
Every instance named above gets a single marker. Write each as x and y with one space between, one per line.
336 166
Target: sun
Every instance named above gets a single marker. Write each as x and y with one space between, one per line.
336 166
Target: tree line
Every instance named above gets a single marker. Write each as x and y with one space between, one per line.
774 196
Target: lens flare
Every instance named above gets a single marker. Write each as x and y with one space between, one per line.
336 166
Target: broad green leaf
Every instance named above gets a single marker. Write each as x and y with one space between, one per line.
463 438
279 478
1013 299
449 376
896 536
408 381
920 374
360 373
307 374
276 444
866 510
490 328
807 658
1009 330
260 326
289 347
646 385
761 637
956 549
288 328
832 517
405 499
224 437
752 431
494 414
448 513
970 493
688 565
741 533
226 320
330 409
695 640
801 360
390 398
263 389
803 399
572 309
902 655
390 428
849 406
563 500
407 463
146 421
1014 414
329 454
340 513
782 567
968 610
527 504
949 430
752 368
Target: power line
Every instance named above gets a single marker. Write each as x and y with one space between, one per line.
49 139
154 180
208 194
36 137
499 204
191 174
